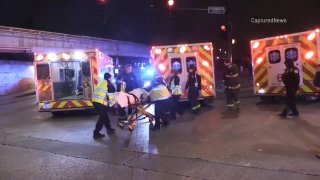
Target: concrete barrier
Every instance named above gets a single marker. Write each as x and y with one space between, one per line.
16 76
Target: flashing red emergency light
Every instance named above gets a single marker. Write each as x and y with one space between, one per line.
103 2
171 3
223 28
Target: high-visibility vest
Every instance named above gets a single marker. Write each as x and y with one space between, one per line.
111 99
176 89
100 93
159 92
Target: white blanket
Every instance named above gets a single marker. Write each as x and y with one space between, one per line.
121 98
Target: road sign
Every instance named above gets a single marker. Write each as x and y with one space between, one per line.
216 10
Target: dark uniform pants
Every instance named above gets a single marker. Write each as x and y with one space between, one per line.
232 96
176 109
193 96
103 117
160 108
290 102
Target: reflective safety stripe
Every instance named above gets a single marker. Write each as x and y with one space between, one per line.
159 93
196 107
236 87
100 93
176 89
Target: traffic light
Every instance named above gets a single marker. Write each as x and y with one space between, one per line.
171 3
102 2
224 31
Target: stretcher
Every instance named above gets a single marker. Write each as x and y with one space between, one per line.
138 101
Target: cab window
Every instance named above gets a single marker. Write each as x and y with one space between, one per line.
43 71
191 61
274 57
291 54
176 64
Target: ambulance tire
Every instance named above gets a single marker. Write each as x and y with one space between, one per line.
57 113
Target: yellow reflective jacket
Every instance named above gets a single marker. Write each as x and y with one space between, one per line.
175 85
100 93
159 92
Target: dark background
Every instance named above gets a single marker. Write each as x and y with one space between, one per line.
149 21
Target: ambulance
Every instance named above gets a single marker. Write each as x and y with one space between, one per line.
65 80
180 57
268 57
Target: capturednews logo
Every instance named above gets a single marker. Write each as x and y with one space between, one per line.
268 20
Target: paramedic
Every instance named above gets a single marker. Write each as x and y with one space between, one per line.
193 86
176 92
102 98
126 82
290 79
160 95
231 84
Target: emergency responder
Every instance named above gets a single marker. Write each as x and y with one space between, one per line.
126 82
231 85
193 86
102 98
160 95
176 92
290 79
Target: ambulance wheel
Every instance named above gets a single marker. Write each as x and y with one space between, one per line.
57 113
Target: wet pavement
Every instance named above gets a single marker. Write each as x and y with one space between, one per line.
251 144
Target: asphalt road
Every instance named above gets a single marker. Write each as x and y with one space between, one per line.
251 144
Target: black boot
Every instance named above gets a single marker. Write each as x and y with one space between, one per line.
110 131
98 135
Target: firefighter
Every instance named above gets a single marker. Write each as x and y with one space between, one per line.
176 92
102 98
126 82
290 79
193 86
231 84
160 96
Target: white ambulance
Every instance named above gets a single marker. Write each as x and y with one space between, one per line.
268 57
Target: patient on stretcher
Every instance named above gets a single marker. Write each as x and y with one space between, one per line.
135 96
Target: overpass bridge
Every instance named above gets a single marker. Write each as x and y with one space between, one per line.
25 40
17 75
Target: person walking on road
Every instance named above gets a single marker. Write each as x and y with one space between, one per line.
102 98
231 84
176 92
291 80
160 96
193 86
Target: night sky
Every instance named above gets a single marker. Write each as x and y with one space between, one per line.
149 21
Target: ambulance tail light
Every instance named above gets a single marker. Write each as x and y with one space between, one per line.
65 56
309 55
206 47
259 60
311 36
39 57
52 56
256 45
205 63
317 30
261 91
78 55
161 67
183 49
157 51
257 84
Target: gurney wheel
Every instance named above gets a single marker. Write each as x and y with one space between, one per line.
121 125
131 128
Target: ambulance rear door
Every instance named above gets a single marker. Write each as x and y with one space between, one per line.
276 65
